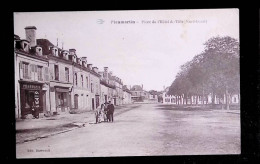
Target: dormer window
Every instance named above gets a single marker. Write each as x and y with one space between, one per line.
39 51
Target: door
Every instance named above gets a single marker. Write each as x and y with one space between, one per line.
76 101
27 99
93 103
44 100
114 101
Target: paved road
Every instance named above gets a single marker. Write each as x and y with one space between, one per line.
150 130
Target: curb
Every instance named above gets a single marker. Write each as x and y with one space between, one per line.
64 131
50 134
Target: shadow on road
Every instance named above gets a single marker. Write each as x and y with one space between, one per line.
182 108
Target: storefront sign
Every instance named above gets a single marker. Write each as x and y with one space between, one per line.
62 90
31 86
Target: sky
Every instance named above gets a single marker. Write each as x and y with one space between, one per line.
148 52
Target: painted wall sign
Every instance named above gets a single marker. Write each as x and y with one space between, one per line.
31 86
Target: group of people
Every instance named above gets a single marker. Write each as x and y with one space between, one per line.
105 113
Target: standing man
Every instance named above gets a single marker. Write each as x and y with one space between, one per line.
111 111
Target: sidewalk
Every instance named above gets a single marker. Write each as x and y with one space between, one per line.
33 129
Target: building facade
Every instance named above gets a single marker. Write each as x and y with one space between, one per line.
31 76
56 80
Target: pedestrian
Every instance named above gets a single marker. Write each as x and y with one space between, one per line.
97 114
35 111
107 112
111 111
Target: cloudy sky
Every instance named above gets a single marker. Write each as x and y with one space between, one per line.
140 53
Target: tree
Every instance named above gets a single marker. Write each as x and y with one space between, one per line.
215 71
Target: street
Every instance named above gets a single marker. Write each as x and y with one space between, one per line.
148 130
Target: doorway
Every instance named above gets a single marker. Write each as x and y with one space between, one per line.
76 101
93 103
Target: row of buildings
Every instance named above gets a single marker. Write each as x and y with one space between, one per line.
172 99
56 80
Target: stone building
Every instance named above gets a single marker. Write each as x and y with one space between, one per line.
57 80
139 94
126 95
31 75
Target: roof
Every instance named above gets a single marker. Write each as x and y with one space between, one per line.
136 88
45 44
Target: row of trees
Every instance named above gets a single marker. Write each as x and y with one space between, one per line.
215 71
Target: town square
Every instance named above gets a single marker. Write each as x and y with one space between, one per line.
127 83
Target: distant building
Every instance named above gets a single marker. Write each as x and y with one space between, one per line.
138 93
126 95
153 96
207 99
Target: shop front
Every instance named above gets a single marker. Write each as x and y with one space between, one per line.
62 97
32 95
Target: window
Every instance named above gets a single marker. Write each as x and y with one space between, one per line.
39 72
87 81
56 71
25 68
82 80
92 89
76 79
67 75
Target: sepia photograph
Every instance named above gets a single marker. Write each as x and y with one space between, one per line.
127 83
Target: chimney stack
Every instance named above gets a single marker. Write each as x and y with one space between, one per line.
30 33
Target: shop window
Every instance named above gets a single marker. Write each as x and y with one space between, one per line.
67 75
39 72
56 71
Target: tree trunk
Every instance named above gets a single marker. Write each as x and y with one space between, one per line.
227 100
196 99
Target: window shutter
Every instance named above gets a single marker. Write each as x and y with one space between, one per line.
46 73
21 70
30 73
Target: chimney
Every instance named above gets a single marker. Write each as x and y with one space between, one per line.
30 33
89 66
